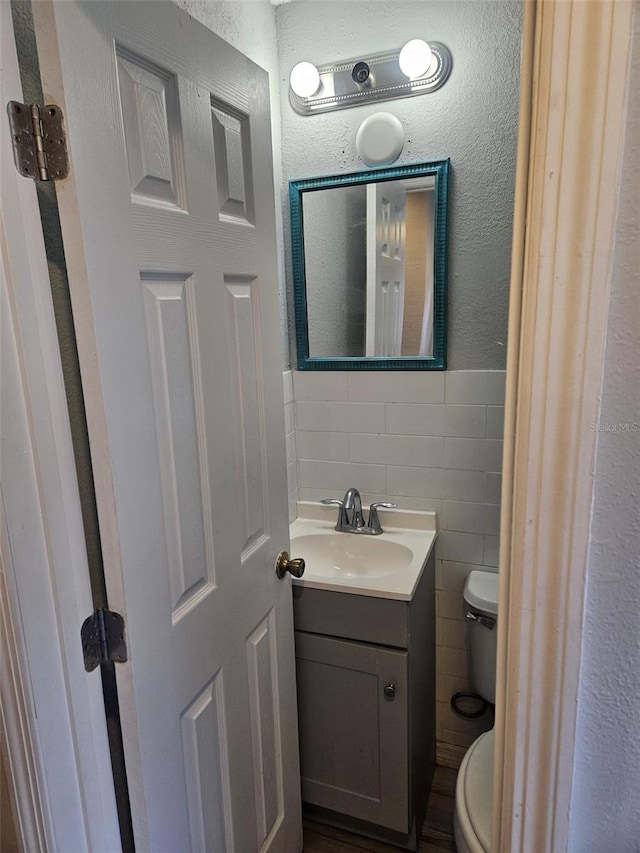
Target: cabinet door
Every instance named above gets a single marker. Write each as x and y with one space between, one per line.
353 738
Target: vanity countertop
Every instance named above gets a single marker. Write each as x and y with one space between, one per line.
385 566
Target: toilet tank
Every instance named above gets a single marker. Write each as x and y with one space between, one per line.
481 602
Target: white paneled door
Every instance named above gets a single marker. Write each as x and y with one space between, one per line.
168 220
386 262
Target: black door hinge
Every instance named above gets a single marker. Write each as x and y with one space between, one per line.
39 141
102 637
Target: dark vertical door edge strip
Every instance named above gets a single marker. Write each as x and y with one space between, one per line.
47 200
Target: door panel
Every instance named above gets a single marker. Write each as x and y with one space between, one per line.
243 312
206 769
265 727
232 146
176 383
152 133
386 261
171 252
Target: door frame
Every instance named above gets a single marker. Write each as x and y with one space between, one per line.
60 733
571 134
556 340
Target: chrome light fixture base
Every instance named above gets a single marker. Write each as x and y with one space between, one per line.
339 89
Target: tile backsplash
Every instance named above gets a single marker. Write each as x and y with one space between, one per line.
425 440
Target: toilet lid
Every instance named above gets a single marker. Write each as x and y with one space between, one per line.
481 591
478 787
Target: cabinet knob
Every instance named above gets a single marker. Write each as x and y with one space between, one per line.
389 691
285 564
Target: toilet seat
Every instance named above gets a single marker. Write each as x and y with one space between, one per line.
474 797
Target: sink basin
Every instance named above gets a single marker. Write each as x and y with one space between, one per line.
386 566
349 555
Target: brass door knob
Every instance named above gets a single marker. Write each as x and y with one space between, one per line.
293 566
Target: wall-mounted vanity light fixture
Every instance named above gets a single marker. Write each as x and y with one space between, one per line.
419 67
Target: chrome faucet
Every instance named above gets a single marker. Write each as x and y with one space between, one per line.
353 502
350 518
350 515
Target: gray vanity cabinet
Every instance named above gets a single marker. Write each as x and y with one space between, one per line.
354 739
366 704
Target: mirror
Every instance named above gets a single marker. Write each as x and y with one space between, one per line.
369 263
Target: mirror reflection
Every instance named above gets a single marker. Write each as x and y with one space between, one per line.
369 253
369 269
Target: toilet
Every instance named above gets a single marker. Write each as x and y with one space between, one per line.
474 786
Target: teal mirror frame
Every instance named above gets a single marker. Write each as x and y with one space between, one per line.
440 170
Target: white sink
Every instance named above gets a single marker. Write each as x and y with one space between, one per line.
348 555
385 566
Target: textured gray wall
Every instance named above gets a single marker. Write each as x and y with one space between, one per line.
605 811
472 120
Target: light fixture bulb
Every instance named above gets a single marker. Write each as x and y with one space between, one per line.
415 58
304 79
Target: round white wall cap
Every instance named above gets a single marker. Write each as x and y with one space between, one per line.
380 139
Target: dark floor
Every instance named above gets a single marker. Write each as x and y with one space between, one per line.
437 832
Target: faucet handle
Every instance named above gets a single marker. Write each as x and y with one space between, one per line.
373 525
343 520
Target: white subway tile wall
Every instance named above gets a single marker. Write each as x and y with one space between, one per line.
429 441
290 442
